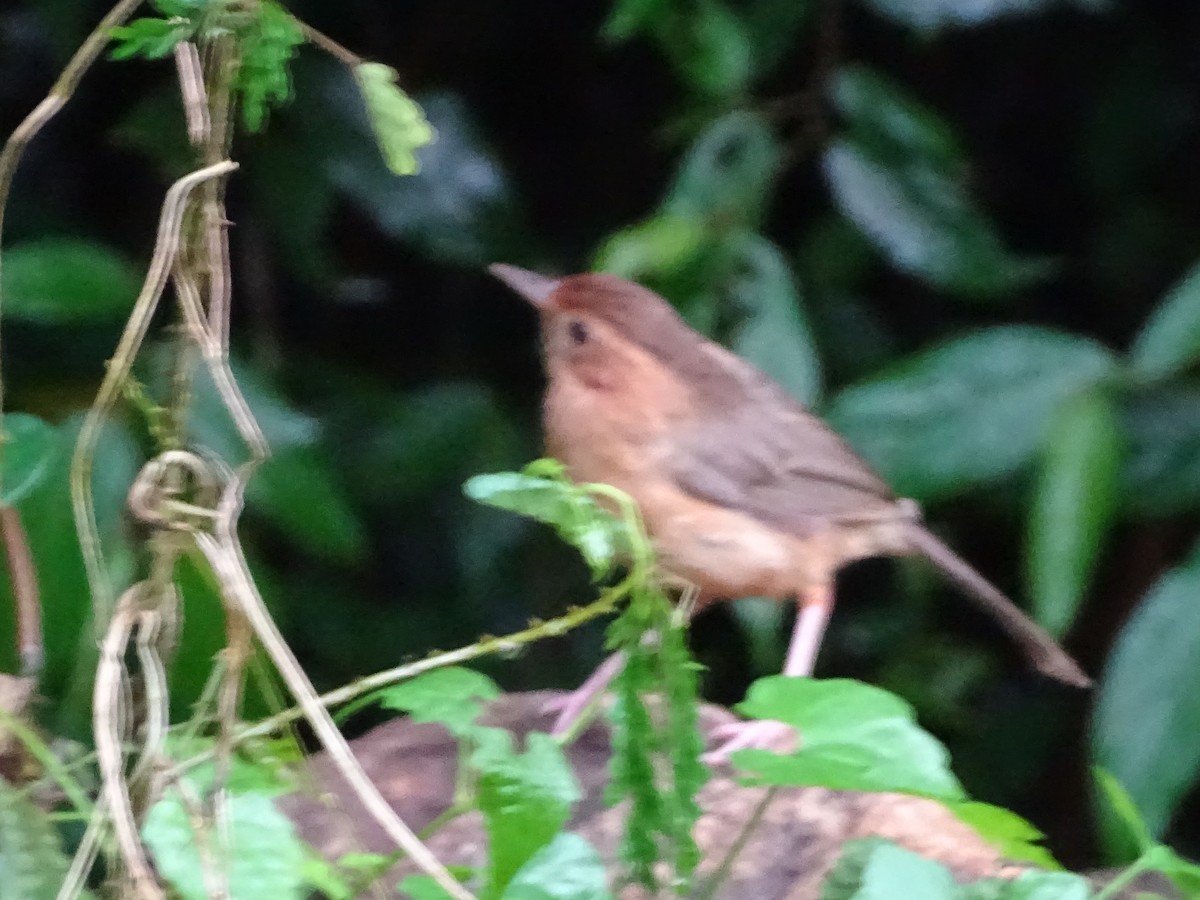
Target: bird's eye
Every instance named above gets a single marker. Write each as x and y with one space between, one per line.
578 332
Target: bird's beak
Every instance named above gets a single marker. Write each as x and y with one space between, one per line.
535 288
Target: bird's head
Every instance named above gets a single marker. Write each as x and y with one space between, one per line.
595 326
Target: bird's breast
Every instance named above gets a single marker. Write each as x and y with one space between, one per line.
616 430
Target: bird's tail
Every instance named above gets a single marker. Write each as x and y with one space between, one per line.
1046 656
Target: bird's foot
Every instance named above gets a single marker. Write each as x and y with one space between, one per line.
759 734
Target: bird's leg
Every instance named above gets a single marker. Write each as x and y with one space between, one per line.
812 615
573 710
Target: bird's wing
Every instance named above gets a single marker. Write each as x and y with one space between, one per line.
757 451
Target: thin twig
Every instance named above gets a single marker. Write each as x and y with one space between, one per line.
709 889
330 46
165 250
224 553
106 728
216 881
26 599
366 685
76 877
191 89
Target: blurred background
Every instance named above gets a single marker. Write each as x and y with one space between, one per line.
963 230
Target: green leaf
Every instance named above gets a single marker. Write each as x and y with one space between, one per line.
32 864
55 281
399 123
1145 725
268 44
149 38
28 447
1013 836
1169 342
874 869
71 653
526 798
659 247
629 17
774 27
931 15
1161 476
725 179
855 737
711 48
773 333
760 620
1123 823
567 868
259 768
974 410
1183 873
300 491
283 425
574 514
882 114
452 696
264 860
924 223
1074 505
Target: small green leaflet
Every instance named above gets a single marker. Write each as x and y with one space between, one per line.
856 737
542 491
268 45
452 696
525 798
149 38
398 122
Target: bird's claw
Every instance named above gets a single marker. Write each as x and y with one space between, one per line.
759 734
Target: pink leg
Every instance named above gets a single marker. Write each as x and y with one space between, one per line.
811 619
577 702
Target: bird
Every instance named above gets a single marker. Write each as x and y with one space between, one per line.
743 491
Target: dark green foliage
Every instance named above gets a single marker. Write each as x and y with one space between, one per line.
974 410
656 741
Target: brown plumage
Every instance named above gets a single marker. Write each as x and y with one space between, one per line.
743 490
